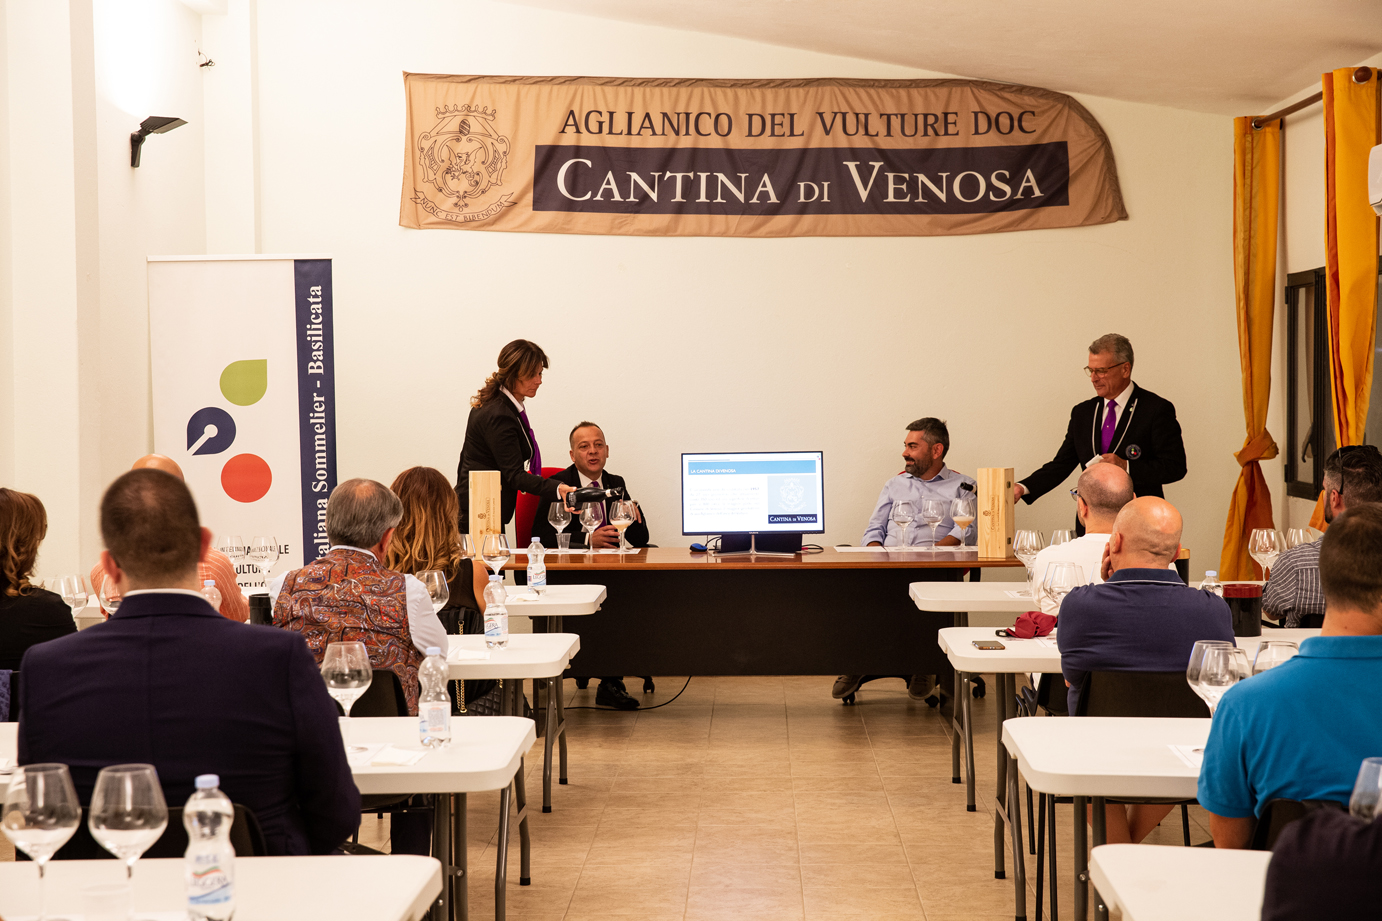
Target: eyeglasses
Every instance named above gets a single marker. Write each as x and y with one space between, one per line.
1075 493
1102 372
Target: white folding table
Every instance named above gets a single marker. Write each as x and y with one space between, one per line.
541 657
1148 882
484 755
383 888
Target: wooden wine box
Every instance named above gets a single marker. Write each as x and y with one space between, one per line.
997 520
486 513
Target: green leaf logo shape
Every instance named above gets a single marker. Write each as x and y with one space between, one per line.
244 382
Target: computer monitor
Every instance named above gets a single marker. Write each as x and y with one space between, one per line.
780 492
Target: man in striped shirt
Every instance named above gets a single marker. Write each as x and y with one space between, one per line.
1352 477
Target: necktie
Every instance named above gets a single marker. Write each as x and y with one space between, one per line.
535 464
1110 423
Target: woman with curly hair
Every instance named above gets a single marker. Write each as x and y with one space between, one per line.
28 614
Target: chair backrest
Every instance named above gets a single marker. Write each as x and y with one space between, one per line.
1146 694
1278 813
9 696
524 511
1183 565
383 697
245 836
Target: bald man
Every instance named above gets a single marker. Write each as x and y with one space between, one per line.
216 566
1143 618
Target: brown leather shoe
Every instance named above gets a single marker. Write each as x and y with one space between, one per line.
846 685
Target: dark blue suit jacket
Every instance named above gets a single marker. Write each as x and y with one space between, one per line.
168 681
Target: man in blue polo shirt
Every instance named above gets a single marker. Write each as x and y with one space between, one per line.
1289 733
1143 618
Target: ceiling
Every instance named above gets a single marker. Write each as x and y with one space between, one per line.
1233 57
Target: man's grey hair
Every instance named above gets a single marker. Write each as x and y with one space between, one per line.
1105 488
360 511
1112 342
934 431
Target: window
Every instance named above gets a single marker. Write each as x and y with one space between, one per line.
1309 412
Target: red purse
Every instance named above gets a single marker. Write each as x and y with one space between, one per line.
1030 624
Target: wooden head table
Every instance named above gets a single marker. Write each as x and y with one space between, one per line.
673 612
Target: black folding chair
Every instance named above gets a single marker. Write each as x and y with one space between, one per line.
1278 813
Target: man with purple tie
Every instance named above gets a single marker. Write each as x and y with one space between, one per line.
1124 425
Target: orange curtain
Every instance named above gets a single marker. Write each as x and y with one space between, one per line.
1256 204
1350 236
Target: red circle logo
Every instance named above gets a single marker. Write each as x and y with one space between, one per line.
246 478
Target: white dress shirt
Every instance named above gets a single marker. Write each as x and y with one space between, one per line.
423 623
1122 401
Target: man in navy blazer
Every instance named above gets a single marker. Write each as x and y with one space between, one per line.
168 681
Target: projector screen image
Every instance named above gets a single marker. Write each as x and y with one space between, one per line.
740 492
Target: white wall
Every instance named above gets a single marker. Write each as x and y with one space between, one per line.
735 344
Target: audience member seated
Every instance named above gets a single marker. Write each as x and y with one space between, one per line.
167 681
216 566
1352 476
28 614
349 595
1142 618
1326 865
1100 495
1300 730
589 453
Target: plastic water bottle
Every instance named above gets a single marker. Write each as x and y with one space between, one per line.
496 613
210 860
537 569
433 703
212 594
1211 583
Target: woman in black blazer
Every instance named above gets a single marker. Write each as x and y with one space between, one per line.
498 436
28 614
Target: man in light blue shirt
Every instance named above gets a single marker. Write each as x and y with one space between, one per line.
925 476
1301 730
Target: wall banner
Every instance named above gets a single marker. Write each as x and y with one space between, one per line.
244 394
766 158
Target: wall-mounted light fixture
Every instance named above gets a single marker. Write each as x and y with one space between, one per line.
154 124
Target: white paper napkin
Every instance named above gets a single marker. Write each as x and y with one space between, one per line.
461 654
357 759
389 756
1018 593
525 596
1192 755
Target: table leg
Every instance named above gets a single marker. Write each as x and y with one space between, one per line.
1081 860
1015 826
1001 793
967 716
1051 865
460 847
561 728
1040 846
1100 837
955 710
441 850
501 864
547 742
520 791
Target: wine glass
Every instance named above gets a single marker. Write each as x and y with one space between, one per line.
469 548
108 596
1271 653
347 672
1059 537
1264 546
263 553
592 516
1061 577
559 516
39 814
494 550
933 513
1297 536
128 813
962 513
621 515
1026 545
1367 790
1222 668
1196 664
903 514
437 589
73 591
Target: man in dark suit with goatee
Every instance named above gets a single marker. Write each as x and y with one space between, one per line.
1123 425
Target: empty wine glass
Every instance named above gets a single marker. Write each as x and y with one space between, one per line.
933 513
1264 546
108 596
903 513
621 515
1026 545
558 516
592 516
437 589
962 513
1197 654
1367 790
1297 536
263 553
1222 668
40 813
1271 653
73 591
1061 577
128 813
469 548
347 672
1062 536
494 550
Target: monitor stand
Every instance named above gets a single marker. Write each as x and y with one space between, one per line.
774 544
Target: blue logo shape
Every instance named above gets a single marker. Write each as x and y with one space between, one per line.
210 431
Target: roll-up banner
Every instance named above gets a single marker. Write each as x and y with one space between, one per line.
766 158
244 394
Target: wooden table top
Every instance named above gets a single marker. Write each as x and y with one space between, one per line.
682 558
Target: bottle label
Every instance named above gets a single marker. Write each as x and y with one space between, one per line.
208 883
493 625
434 719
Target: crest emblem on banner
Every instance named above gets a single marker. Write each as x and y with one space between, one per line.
462 162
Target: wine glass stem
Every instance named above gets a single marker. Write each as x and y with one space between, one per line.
623 547
933 536
42 892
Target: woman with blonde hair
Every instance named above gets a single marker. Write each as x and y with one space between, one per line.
28 614
498 436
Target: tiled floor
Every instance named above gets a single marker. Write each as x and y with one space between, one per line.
762 799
